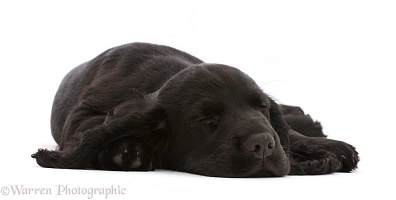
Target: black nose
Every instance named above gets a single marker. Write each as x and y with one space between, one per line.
261 144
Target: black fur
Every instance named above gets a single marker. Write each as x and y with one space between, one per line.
140 105
302 123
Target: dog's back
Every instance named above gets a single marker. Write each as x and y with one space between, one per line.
139 68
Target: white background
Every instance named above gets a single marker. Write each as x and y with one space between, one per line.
336 59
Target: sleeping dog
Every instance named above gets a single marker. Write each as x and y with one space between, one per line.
142 105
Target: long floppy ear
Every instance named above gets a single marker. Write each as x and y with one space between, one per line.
146 123
280 126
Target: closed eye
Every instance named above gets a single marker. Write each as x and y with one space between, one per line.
258 99
264 109
207 113
208 120
263 106
211 122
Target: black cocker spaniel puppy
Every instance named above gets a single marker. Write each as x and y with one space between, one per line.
141 106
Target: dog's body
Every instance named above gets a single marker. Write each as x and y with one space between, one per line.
187 115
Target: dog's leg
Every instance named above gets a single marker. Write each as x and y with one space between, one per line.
83 117
320 155
146 126
79 154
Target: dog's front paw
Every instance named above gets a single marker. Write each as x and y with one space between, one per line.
128 154
313 161
322 156
345 153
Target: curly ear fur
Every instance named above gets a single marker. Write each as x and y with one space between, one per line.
145 123
279 124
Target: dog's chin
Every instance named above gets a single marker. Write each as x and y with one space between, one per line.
270 169
256 168
266 169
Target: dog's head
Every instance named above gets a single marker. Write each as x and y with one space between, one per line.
219 123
